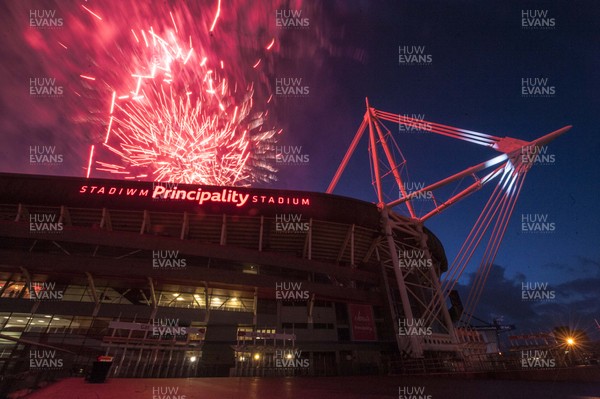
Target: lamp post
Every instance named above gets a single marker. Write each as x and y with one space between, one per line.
570 344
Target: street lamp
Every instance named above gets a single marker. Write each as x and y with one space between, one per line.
570 343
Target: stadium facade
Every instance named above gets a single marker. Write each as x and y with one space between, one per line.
176 280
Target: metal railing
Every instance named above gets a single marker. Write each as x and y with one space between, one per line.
452 366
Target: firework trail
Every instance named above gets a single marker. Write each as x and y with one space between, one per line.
162 91
182 122
179 120
173 91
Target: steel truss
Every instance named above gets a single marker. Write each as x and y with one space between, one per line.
418 296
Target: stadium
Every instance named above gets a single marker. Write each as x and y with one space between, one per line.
177 280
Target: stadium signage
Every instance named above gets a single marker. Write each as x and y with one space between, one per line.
362 322
226 195
199 195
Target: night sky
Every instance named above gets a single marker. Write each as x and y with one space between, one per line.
480 53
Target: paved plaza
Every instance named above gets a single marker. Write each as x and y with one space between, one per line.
364 387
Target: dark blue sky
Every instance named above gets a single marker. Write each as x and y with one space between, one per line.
348 52
480 53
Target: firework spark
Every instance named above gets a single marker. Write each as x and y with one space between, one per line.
130 69
182 124
178 119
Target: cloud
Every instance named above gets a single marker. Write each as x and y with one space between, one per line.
576 302
584 266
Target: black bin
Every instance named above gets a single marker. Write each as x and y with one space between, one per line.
99 372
